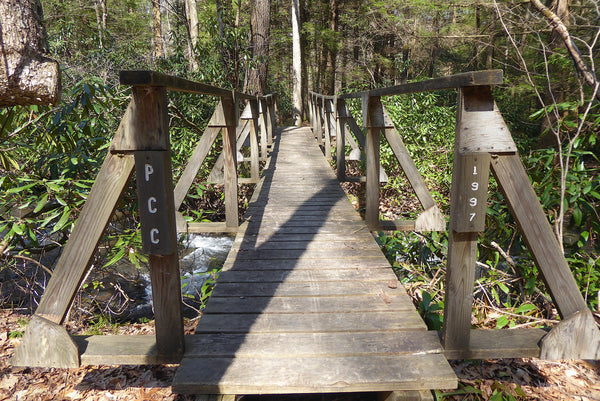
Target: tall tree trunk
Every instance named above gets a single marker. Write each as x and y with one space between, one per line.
159 48
221 28
101 15
191 15
26 75
256 81
297 63
436 44
304 46
331 49
220 18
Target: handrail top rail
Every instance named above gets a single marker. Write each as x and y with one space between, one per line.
176 84
472 78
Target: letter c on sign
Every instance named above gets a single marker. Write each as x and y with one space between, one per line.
154 236
152 209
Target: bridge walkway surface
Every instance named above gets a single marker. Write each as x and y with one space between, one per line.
306 301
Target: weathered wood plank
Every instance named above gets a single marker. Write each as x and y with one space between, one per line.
210 228
77 255
176 84
473 78
122 350
340 141
146 101
301 230
407 163
538 235
300 276
294 219
166 297
141 349
242 131
311 322
281 211
46 344
299 264
297 289
230 164
303 345
480 115
359 243
395 225
259 239
254 150
197 159
294 254
462 252
325 304
306 375
159 237
576 337
373 159
506 343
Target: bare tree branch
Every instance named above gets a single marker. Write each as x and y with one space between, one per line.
561 29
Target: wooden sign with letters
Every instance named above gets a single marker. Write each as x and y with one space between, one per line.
156 204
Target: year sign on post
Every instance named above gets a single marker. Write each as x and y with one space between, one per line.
472 192
156 205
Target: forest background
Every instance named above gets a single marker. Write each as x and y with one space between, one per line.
50 155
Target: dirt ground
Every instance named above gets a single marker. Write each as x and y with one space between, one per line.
525 379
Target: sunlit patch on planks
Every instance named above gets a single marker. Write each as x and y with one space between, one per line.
306 302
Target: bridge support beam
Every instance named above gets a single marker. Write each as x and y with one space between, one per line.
371 107
229 163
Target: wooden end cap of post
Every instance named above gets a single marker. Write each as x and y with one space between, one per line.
46 344
431 219
482 127
576 337
146 113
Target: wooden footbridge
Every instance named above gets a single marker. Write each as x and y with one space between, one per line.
306 301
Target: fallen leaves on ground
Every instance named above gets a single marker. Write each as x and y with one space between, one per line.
525 379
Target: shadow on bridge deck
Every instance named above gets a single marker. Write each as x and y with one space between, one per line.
306 302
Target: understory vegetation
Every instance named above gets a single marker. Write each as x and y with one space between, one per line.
50 156
509 291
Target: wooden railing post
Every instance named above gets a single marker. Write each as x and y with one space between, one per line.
157 215
467 219
373 117
319 131
311 112
316 117
328 118
340 139
269 111
230 163
254 156
262 108
274 113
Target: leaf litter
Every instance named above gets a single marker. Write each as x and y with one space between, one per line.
524 379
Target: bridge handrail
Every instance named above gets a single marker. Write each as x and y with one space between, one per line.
472 78
483 145
177 84
142 144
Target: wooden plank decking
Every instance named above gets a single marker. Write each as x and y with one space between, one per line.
306 302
